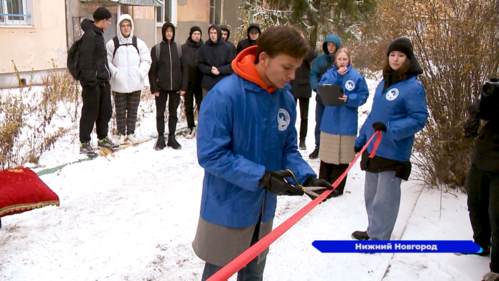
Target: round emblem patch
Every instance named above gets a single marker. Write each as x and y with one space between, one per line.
283 119
350 85
392 94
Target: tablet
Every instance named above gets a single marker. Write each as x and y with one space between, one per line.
330 94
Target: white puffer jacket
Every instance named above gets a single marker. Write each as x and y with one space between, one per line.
128 68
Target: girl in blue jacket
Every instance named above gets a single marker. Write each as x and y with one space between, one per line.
399 111
339 122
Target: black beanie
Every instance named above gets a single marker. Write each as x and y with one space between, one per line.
102 14
195 28
402 44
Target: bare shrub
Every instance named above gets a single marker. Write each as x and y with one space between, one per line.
456 44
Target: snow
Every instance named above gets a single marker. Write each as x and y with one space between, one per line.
133 216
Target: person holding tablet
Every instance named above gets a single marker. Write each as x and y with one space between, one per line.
339 122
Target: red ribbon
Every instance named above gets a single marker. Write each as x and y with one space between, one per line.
247 256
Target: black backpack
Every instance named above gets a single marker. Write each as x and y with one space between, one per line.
117 44
74 59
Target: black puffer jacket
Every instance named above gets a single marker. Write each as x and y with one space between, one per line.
215 54
243 44
231 45
301 85
93 55
486 151
170 73
190 52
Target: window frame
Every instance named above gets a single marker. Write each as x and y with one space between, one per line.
214 10
7 18
160 22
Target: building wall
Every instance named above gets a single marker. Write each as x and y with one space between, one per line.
33 47
230 14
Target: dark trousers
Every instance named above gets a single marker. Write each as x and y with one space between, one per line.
97 109
253 271
172 111
331 172
483 206
319 110
303 116
189 104
126 106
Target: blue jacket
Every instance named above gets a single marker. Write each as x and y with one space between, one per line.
321 62
402 107
342 119
244 131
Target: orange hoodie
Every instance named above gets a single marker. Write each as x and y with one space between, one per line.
244 66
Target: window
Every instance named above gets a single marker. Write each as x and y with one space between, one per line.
163 13
14 12
215 11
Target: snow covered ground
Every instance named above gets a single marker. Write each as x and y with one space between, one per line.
133 216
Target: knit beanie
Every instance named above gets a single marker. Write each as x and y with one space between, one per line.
402 44
195 28
102 14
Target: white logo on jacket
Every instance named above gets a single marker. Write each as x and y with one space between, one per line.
350 85
392 94
283 119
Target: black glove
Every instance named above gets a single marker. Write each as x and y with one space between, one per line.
357 149
275 182
379 126
312 181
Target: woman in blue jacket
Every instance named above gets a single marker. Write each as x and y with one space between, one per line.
339 122
399 111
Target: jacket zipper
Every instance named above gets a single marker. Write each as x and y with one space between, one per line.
171 67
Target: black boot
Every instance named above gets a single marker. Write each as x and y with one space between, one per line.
302 145
360 235
160 144
172 142
315 154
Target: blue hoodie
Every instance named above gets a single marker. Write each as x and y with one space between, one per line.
320 65
342 119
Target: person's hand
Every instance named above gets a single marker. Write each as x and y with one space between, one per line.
182 93
357 149
344 98
275 182
313 182
342 70
214 70
156 94
379 126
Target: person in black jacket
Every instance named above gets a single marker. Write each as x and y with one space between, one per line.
214 60
190 52
482 184
253 33
226 35
95 75
168 78
302 91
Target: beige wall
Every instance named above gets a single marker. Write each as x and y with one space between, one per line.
34 47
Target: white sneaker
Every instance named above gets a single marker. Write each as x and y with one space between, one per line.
120 139
191 134
132 139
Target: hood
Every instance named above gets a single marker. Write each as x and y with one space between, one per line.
219 35
226 28
163 29
255 25
244 66
88 25
122 39
331 38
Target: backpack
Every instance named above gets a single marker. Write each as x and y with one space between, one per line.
74 59
158 51
117 44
